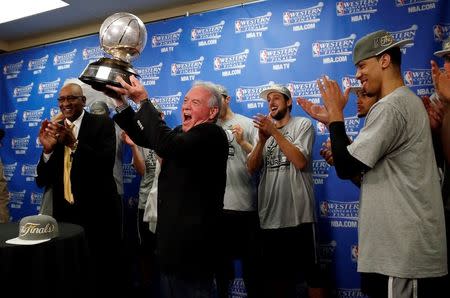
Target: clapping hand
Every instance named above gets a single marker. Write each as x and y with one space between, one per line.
318 112
441 81
333 98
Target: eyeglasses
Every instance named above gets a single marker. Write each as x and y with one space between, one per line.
69 98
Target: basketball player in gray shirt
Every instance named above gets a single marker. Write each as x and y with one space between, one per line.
401 230
240 219
282 155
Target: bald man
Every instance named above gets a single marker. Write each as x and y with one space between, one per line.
85 193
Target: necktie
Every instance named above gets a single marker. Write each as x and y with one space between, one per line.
67 167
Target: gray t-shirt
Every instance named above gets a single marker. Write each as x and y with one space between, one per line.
240 191
285 194
401 220
147 180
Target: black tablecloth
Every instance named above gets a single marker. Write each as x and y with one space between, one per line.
56 268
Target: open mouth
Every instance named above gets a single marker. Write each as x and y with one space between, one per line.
187 117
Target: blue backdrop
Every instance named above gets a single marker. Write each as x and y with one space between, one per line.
244 48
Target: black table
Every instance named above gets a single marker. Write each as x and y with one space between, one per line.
56 268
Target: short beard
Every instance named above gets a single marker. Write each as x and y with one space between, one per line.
278 116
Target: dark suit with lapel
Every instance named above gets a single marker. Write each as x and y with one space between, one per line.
191 187
96 202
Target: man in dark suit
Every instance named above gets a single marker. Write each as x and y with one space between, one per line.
191 184
86 193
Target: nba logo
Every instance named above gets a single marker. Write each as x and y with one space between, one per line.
237 26
240 94
409 78
174 69
263 56
154 41
340 8
321 128
193 34
316 49
217 63
346 82
438 32
286 18
354 253
324 209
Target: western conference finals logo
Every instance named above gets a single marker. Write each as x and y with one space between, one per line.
168 103
231 65
358 10
22 93
320 171
38 65
441 31
207 35
8 170
187 70
350 81
16 198
11 71
420 80
250 95
149 74
341 214
20 145
303 19
64 60
92 54
9 119
167 41
252 27
33 117
408 33
306 89
339 48
281 58
29 171
48 89
36 199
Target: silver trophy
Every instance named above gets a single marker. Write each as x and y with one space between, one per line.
123 36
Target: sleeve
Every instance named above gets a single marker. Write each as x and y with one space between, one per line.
346 165
304 137
381 134
46 170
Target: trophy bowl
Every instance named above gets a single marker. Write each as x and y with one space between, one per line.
123 36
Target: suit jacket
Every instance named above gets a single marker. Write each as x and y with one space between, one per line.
191 186
93 186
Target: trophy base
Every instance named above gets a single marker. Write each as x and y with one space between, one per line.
104 72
